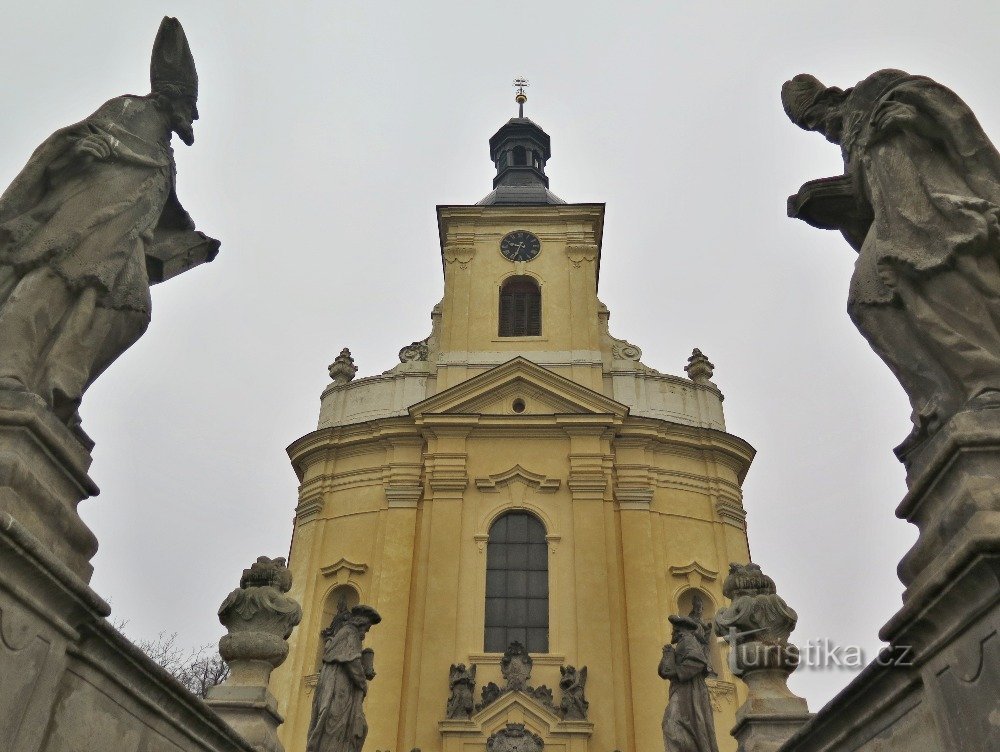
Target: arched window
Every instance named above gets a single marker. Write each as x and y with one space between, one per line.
517 584
536 160
520 308
520 155
341 597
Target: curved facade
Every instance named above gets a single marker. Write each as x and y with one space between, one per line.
629 475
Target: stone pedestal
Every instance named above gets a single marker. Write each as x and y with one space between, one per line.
43 476
70 681
772 713
951 607
250 711
937 685
757 624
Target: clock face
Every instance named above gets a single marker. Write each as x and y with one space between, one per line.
520 245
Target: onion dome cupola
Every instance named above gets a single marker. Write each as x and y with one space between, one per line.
519 151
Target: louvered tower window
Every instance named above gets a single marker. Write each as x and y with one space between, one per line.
517 584
520 308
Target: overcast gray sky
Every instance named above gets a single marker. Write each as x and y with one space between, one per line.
329 132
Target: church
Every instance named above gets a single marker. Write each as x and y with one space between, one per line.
520 477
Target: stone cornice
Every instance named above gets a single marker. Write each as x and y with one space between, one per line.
729 450
308 509
578 224
303 451
657 434
455 221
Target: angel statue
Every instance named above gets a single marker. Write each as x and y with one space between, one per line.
572 683
462 682
87 226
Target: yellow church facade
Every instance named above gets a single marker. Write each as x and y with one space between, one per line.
520 476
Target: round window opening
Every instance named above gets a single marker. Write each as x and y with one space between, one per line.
518 405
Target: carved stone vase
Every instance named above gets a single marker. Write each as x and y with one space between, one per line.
260 617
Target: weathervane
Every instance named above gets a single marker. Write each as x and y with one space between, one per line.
520 97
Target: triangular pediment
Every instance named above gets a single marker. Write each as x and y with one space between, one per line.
517 708
538 390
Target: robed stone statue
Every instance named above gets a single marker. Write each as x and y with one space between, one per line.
338 718
87 226
919 201
688 725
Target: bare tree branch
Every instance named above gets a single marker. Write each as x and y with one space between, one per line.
197 669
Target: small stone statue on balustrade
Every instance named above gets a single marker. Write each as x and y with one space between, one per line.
338 719
462 683
87 226
688 725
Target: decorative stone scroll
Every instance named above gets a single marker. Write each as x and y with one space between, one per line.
624 350
415 351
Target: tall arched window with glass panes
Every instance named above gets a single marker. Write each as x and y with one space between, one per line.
517 584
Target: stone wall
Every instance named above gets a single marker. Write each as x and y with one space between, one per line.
69 682
937 685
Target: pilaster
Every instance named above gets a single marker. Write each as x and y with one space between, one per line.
582 254
404 490
634 493
441 540
595 563
458 250
404 485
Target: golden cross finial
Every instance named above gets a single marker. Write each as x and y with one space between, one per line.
520 97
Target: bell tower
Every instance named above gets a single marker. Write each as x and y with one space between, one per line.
519 488
519 151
